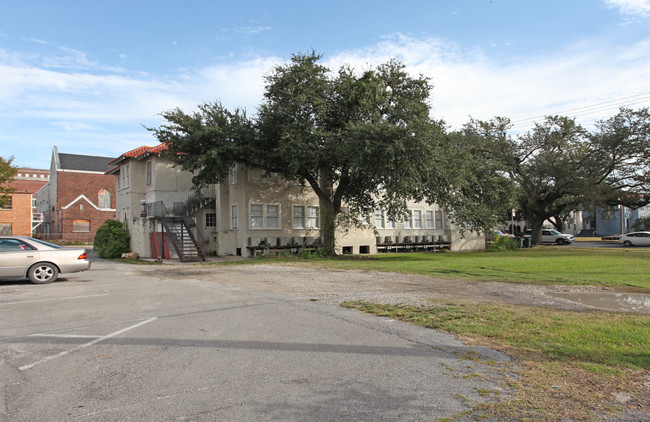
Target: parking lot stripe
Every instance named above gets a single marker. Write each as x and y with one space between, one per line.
90 343
49 300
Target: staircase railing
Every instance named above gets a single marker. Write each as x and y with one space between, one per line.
159 210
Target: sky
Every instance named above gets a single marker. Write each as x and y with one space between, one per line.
89 77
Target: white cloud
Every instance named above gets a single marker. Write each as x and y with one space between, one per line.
631 7
101 110
470 83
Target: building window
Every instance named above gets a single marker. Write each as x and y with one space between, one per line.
234 220
80 226
149 173
5 228
257 216
379 219
104 197
273 216
6 202
298 217
429 219
408 220
390 223
439 224
210 219
313 214
417 219
233 174
124 174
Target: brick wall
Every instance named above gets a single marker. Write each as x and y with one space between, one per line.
70 185
20 214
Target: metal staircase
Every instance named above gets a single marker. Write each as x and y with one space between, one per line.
181 230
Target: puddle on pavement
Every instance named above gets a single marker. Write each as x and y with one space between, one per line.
630 302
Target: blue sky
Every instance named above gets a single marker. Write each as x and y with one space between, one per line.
87 76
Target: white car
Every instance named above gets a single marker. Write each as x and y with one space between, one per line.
40 261
554 236
635 239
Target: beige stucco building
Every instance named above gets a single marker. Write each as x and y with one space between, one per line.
253 212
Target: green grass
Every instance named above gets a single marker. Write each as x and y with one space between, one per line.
594 339
544 265
571 363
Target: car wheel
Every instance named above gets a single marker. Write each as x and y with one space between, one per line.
627 243
560 242
43 273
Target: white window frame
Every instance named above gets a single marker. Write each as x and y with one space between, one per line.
264 217
125 175
417 219
379 219
408 222
268 217
149 172
430 222
298 219
232 174
234 217
256 218
440 222
313 217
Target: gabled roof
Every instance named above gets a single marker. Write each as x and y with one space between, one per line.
83 163
138 154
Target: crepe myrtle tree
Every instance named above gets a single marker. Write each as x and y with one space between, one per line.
559 166
363 139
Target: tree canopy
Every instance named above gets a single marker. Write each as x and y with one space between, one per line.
560 166
363 139
7 174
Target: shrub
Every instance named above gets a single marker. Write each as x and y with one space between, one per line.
111 240
502 243
641 224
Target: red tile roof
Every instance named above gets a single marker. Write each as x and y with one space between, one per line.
139 153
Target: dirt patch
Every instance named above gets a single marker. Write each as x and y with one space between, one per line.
336 286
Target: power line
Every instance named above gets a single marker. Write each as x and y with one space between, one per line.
589 109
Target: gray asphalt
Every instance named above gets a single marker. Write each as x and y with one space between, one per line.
120 343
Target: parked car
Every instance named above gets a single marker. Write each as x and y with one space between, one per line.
40 261
554 236
635 239
490 237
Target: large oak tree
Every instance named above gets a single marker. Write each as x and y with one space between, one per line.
360 139
559 166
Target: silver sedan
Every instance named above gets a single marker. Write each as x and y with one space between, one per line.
40 261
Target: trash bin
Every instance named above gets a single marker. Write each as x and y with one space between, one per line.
527 242
520 241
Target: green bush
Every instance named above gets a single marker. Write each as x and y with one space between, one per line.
502 243
641 224
111 240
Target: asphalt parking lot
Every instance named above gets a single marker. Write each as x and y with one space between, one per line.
128 342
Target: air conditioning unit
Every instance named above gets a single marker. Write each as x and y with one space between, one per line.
271 241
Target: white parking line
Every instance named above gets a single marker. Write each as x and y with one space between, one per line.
49 300
90 343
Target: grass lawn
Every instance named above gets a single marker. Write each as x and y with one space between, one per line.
623 268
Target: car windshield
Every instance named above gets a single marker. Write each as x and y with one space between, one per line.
42 242
555 232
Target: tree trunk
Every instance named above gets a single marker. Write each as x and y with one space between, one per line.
327 213
536 230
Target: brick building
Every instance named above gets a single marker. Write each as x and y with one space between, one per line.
19 216
78 198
